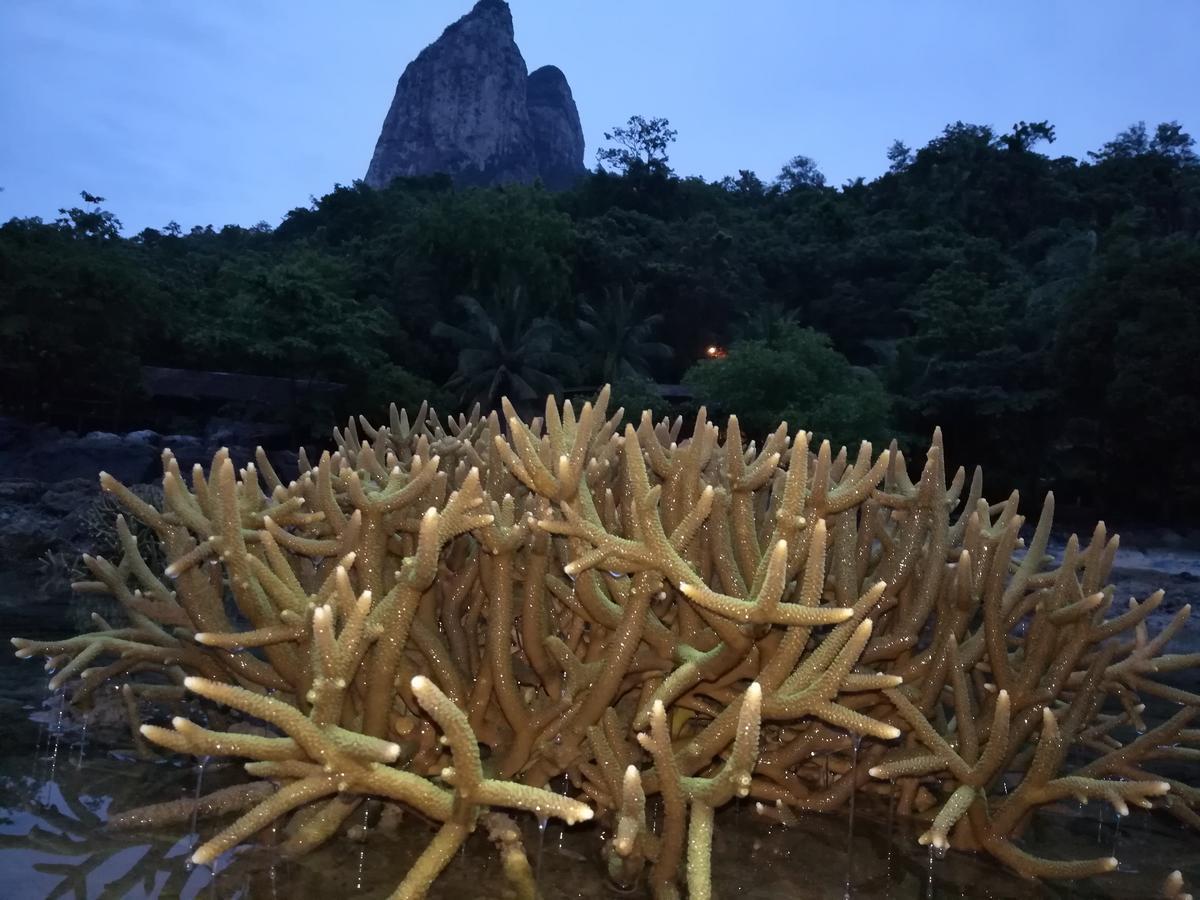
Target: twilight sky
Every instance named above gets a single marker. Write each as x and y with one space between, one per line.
238 110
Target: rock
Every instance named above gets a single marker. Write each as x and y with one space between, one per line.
131 461
226 432
20 491
466 107
460 107
26 531
52 508
67 497
145 436
15 434
557 132
42 457
188 451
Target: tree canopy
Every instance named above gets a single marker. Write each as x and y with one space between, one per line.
1043 310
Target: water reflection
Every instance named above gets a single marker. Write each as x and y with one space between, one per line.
59 782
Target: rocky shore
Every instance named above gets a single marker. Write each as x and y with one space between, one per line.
52 510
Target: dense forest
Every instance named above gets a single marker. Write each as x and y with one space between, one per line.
1045 311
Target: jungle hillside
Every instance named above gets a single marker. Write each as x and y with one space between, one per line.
1043 310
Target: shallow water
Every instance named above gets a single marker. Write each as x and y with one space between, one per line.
58 783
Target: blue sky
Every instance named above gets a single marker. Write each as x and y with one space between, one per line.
238 110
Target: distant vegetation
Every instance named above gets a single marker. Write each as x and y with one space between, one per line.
1045 311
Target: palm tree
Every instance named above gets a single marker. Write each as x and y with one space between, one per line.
616 337
504 350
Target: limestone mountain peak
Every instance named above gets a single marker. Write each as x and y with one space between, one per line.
468 107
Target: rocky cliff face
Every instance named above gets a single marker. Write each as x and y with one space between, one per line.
466 106
557 134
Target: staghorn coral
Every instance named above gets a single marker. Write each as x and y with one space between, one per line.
1174 888
451 617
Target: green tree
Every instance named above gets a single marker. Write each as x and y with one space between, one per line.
1026 135
1133 141
1126 362
504 350
636 394
93 223
616 338
296 315
478 241
765 322
639 146
74 309
899 156
975 368
747 184
798 378
798 173
1169 142
1172 142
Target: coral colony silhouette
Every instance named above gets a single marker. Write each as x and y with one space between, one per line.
447 616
